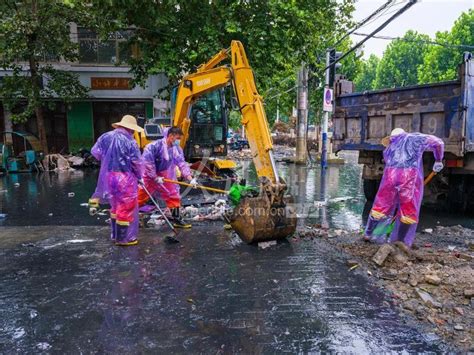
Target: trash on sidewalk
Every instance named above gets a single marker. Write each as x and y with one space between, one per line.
265 245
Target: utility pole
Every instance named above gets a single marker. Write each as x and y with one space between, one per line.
324 131
302 117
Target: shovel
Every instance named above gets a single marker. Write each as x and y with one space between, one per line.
168 239
385 229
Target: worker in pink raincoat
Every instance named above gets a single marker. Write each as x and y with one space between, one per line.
161 158
120 171
398 199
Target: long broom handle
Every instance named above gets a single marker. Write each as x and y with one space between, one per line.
198 187
159 209
429 178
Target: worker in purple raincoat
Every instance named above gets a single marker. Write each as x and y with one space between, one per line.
161 158
398 199
120 171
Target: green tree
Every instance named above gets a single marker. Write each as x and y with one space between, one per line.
31 33
399 64
365 78
441 62
176 36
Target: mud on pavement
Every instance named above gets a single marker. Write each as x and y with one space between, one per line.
433 282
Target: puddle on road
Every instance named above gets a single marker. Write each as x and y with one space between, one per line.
44 199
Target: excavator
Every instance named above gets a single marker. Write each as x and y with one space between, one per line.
268 214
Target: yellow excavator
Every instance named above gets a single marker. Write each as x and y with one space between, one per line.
269 215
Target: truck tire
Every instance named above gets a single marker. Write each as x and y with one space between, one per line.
458 194
370 189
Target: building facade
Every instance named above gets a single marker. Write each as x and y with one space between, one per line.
75 126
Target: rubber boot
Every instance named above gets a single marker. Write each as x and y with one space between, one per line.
121 239
177 221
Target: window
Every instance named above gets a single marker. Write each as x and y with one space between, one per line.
113 50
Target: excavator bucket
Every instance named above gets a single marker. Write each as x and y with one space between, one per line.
255 219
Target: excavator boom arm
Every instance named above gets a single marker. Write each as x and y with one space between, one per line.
209 78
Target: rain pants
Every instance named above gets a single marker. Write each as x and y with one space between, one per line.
398 199
121 168
161 160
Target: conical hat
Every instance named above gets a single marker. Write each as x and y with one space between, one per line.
130 122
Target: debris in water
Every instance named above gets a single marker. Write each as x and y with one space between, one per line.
71 194
43 346
3 215
50 214
16 184
341 199
19 332
265 245
80 240
428 231
33 314
84 204
320 203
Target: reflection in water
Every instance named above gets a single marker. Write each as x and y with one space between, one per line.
339 197
42 199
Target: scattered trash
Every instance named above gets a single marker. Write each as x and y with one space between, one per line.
320 203
50 214
369 272
428 231
71 194
19 332
43 346
451 247
33 314
353 267
16 184
340 199
458 327
190 300
84 204
265 245
3 215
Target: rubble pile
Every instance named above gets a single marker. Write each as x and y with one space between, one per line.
434 281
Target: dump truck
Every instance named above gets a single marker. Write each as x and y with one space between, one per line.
444 109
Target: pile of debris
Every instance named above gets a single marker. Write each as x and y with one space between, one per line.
213 212
59 162
433 281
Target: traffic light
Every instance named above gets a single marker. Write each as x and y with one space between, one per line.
331 57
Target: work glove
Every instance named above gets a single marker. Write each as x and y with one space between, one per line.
159 180
194 183
141 182
438 166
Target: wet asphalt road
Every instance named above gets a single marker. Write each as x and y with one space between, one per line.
68 290
65 288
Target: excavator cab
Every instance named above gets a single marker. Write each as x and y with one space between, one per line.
208 130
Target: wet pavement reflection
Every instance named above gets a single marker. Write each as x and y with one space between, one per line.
65 288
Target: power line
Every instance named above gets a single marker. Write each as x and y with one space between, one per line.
388 38
373 33
384 7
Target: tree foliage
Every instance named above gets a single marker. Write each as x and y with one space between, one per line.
413 60
33 32
365 78
176 36
440 62
400 62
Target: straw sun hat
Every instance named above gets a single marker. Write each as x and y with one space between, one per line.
128 121
386 140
